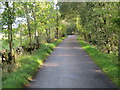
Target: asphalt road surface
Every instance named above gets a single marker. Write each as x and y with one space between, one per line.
68 66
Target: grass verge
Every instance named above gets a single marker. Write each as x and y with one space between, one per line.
29 65
107 62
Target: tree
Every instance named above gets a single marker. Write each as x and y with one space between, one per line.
94 22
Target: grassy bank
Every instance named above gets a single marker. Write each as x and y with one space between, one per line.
107 62
29 65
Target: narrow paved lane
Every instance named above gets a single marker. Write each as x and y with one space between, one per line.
69 66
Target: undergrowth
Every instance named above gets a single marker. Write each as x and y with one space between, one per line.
29 65
107 62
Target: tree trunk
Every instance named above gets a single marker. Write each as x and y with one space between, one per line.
49 34
57 31
34 16
28 23
20 37
9 26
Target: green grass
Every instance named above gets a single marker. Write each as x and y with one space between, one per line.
107 62
29 65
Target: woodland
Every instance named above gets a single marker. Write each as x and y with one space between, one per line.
29 28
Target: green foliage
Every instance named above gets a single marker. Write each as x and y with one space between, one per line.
99 26
96 22
71 29
28 66
107 62
40 22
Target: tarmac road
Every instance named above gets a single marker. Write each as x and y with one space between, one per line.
68 66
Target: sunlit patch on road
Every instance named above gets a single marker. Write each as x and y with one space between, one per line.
50 65
72 36
64 55
69 47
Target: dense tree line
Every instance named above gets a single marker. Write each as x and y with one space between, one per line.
96 22
38 22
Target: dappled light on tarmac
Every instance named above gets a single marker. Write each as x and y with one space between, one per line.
50 65
63 55
69 47
72 36
68 66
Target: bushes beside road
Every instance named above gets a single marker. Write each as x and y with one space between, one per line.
28 66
